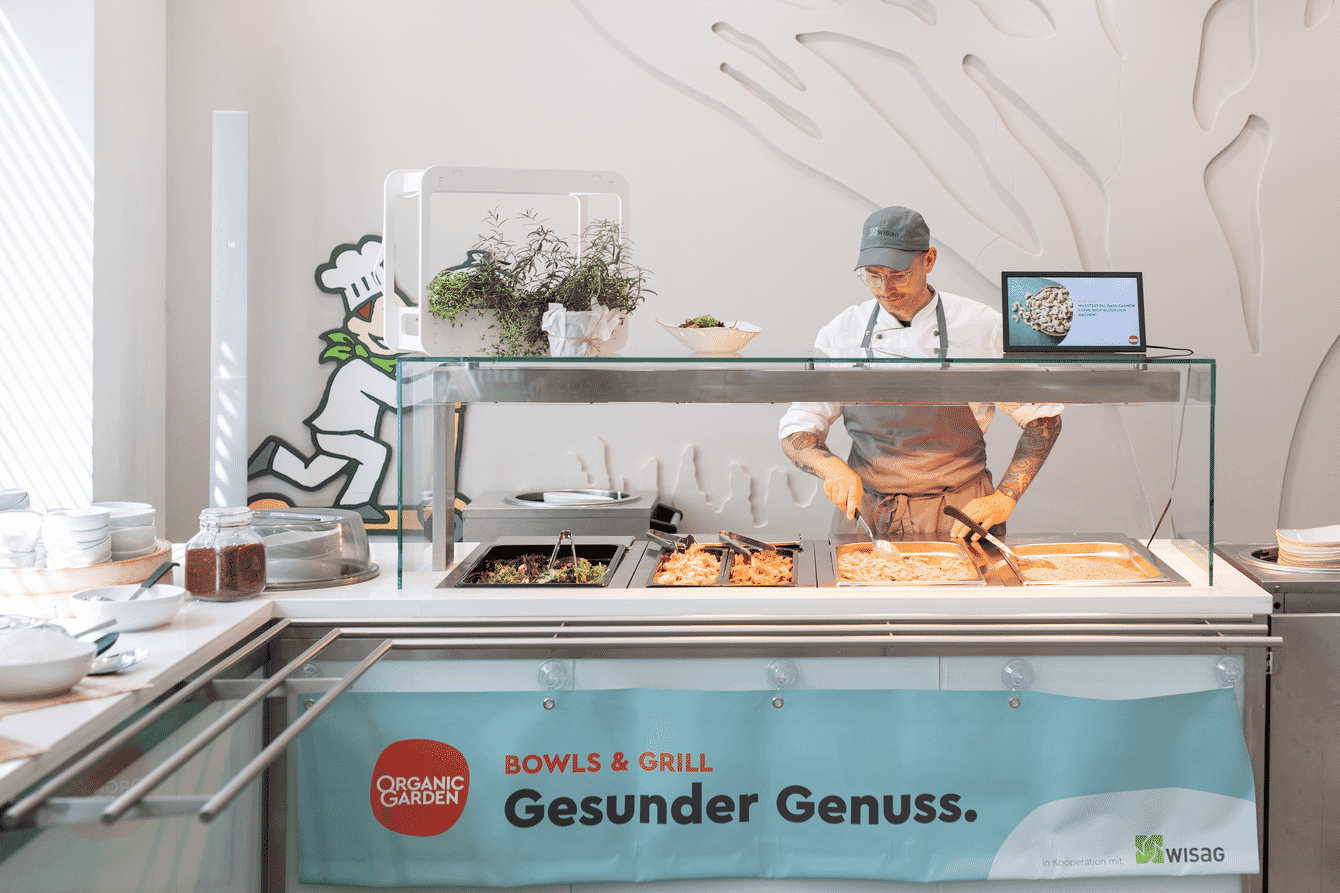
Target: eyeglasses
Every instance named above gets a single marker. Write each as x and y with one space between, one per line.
874 280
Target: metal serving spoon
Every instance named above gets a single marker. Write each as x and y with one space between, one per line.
115 663
883 548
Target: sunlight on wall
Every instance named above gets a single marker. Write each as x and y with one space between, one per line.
46 290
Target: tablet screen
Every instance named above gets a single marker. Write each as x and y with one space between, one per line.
1073 312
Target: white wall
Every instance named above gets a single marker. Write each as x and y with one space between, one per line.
46 250
1191 141
130 360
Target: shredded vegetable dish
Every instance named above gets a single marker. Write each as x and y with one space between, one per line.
695 566
866 567
762 569
529 569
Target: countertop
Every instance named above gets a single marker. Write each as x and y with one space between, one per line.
202 631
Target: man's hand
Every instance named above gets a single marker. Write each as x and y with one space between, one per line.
1035 442
988 511
843 487
810 453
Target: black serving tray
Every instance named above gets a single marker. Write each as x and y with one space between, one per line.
597 550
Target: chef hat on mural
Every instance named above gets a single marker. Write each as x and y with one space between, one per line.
355 274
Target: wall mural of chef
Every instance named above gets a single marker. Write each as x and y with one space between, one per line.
360 390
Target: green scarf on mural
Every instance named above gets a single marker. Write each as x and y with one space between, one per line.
342 346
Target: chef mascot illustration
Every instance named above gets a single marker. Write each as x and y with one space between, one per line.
358 393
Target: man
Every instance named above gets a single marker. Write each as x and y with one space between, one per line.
908 461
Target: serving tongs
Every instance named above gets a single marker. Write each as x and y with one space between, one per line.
747 546
738 541
553 556
671 542
1016 561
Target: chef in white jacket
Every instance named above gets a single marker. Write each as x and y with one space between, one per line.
908 461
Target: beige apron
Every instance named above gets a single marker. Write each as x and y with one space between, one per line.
915 459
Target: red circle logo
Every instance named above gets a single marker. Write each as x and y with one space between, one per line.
419 787
1134 339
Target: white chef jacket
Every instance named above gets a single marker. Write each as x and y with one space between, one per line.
974 331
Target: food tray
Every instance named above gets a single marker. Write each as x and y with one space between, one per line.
802 568
1119 555
45 592
929 549
608 550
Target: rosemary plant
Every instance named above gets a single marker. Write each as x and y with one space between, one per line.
518 282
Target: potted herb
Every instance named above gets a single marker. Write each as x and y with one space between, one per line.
545 296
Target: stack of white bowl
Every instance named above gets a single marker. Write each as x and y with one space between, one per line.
77 537
1310 547
20 533
134 529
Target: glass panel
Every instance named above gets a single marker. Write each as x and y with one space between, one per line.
1135 457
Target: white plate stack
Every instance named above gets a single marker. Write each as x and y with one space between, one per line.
1310 547
134 529
77 537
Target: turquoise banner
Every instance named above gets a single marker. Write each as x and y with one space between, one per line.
498 789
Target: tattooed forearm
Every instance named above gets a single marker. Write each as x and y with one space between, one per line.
1034 444
805 448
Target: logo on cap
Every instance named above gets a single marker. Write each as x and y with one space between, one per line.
419 787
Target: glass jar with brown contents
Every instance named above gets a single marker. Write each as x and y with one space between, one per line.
225 561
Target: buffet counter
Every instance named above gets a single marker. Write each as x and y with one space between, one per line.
203 631
416 636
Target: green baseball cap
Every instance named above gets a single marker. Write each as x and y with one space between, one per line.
892 237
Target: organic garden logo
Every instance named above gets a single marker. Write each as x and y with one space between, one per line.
1148 848
419 787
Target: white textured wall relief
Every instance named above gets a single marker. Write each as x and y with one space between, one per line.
1311 488
1228 57
1025 19
1233 186
922 9
900 93
1108 19
1316 11
1078 184
866 100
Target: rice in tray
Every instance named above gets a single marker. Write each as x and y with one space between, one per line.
1082 568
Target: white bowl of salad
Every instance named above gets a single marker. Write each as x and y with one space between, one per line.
709 335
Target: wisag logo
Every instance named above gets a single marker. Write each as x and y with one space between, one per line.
1148 848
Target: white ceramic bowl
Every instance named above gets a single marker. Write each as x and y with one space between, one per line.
129 514
19 531
729 338
132 539
155 608
61 558
13 500
75 540
64 521
41 662
137 553
17 559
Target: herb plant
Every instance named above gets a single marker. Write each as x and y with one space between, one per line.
518 282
